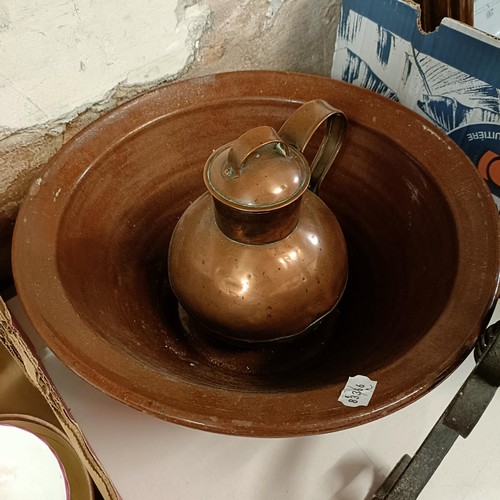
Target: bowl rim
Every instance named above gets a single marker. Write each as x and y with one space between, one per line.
127 380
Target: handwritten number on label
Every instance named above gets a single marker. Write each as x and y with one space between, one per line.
358 391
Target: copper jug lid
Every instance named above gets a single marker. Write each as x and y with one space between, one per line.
258 171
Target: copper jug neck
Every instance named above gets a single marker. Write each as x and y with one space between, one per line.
257 228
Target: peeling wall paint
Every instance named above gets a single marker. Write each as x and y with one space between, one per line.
64 63
58 60
274 7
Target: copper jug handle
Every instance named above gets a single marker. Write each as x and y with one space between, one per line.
250 142
301 126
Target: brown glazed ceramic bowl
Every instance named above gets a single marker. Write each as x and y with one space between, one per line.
422 234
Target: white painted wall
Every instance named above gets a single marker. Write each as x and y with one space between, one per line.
57 58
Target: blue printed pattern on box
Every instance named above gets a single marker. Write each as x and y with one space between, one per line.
450 76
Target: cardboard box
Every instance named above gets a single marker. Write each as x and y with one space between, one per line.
26 390
450 76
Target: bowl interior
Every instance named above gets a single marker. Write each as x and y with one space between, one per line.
113 242
107 207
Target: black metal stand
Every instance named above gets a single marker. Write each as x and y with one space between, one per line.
409 477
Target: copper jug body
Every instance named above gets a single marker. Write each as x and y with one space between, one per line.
259 257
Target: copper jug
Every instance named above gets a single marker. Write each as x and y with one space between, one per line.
259 256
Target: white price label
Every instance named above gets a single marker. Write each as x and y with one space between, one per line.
358 391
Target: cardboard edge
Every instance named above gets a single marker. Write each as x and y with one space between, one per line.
19 346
